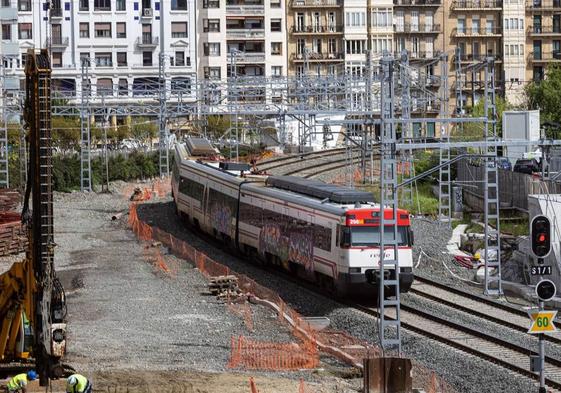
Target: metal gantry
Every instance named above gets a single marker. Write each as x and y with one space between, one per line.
163 130
4 158
389 255
444 174
85 135
406 127
491 189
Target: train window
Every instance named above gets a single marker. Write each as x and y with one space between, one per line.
191 188
345 237
370 236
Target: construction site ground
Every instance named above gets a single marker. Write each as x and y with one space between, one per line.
136 328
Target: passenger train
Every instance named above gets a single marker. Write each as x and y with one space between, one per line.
326 233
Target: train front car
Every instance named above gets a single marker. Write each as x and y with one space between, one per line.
359 243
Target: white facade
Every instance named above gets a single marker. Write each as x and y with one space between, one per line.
356 33
255 31
514 59
121 38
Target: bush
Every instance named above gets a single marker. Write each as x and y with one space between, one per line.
66 169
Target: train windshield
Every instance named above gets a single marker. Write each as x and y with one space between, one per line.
370 236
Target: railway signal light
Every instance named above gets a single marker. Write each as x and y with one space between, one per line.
545 290
540 235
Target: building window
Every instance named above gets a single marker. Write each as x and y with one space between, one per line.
121 59
102 30
211 3
84 30
25 31
147 59
212 72
121 28
6 32
275 4
276 48
104 86
211 25
211 48
276 71
178 29
121 5
103 59
84 58
332 45
5 3
179 5
57 59
84 5
180 58
102 5
276 25
24 5
123 87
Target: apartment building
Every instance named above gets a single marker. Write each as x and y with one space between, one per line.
315 37
121 38
241 37
359 29
475 33
514 50
543 38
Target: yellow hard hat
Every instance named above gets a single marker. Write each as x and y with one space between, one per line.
477 256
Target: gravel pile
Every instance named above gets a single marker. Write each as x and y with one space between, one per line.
465 373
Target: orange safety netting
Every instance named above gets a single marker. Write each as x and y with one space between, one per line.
256 355
276 356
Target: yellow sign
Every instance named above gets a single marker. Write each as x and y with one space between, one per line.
542 321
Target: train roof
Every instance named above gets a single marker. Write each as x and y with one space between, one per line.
314 194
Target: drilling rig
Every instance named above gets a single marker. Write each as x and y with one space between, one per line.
32 300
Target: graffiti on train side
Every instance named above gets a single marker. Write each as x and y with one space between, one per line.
288 244
221 218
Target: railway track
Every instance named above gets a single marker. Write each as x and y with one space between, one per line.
297 158
475 342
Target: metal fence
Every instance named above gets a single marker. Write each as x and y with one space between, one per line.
514 187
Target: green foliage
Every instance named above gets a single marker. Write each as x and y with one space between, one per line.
66 133
143 129
476 131
218 125
546 95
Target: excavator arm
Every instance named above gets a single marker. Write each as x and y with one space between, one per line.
32 301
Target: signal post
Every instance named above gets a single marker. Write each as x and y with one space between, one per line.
542 321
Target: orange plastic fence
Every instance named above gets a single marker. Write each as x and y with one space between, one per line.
274 356
255 355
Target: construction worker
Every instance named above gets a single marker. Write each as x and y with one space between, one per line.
19 382
77 383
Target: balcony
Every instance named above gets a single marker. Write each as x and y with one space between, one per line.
331 29
419 55
416 29
477 57
460 5
245 57
477 32
545 57
245 33
245 9
417 3
316 3
56 13
543 5
544 30
147 41
315 56
58 42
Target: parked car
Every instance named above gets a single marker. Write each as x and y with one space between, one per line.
504 163
528 166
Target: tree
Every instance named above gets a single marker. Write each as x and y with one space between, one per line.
66 133
218 126
475 131
546 95
143 129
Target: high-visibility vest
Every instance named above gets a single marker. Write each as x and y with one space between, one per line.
80 386
17 382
